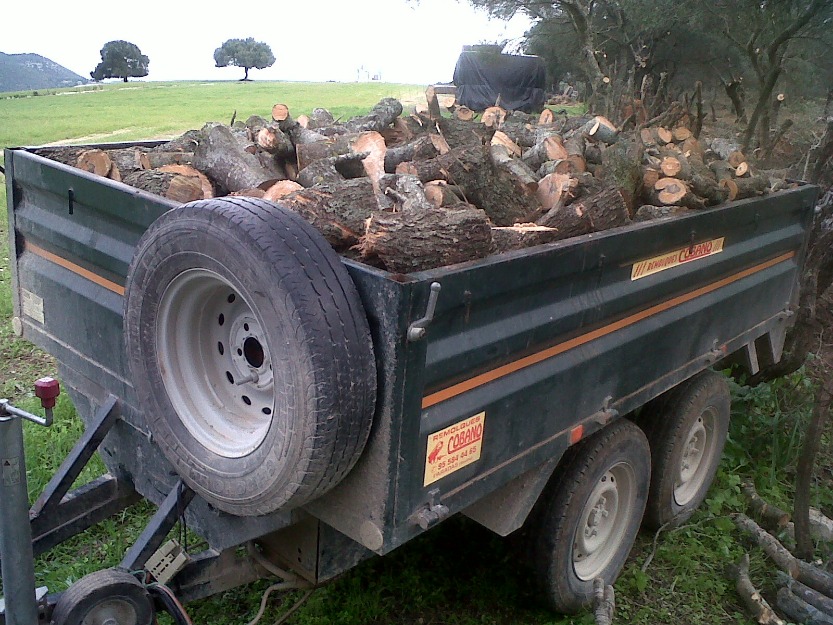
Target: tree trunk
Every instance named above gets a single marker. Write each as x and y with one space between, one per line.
223 159
172 186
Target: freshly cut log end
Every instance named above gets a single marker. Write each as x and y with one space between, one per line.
742 169
501 138
280 112
411 241
464 113
671 166
555 189
281 189
670 190
96 162
732 187
665 136
681 133
736 158
175 187
187 170
547 117
493 117
602 129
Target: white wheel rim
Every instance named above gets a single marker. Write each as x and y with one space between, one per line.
604 521
697 458
111 612
215 363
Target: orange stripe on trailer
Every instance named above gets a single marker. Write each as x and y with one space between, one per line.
76 269
533 359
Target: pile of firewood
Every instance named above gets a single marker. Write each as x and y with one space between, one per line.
805 593
414 192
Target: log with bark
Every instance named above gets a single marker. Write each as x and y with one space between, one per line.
410 241
169 185
224 159
752 598
522 236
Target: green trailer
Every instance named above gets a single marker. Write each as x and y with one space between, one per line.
234 370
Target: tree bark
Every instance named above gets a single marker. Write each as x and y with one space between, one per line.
410 241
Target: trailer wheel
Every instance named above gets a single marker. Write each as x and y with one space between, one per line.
585 522
108 596
687 428
250 353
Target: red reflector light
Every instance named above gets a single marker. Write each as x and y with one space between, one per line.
575 434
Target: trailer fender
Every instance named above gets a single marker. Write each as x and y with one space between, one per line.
504 510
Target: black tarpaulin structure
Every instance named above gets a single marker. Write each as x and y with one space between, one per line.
483 76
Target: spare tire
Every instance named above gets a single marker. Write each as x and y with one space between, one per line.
250 353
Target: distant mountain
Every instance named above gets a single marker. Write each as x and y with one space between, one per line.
22 72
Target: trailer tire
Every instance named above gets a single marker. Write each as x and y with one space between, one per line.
587 518
105 596
687 428
250 353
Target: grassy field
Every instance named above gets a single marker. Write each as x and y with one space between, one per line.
458 573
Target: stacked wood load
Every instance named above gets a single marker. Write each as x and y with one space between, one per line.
414 192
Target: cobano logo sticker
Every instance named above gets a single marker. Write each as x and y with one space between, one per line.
453 448
676 258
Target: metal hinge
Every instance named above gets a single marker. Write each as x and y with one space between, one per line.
416 330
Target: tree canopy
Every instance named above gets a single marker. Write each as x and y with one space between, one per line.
659 49
121 59
246 53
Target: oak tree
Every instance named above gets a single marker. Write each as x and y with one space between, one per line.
246 53
121 59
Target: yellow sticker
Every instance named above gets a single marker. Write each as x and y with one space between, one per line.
32 305
676 258
453 448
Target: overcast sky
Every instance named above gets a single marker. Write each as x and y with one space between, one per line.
313 40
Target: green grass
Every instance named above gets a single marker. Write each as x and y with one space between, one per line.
458 573
124 112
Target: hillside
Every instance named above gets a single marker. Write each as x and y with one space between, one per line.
22 72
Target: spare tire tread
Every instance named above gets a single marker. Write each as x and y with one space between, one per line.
339 363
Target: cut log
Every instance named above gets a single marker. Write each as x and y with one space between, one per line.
222 158
742 169
621 165
341 145
380 117
681 133
664 136
736 158
484 185
280 112
281 189
647 212
323 171
132 159
411 241
751 186
650 175
172 186
600 211
434 111
526 181
320 118
458 134
95 162
709 189
556 190
464 113
731 189
152 160
338 212
192 172
500 138
799 611
272 139
493 117
548 149
805 593
601 129
403 193
440 193
547 117
672 191
752 599
422 148
372 144
521 236
807 574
